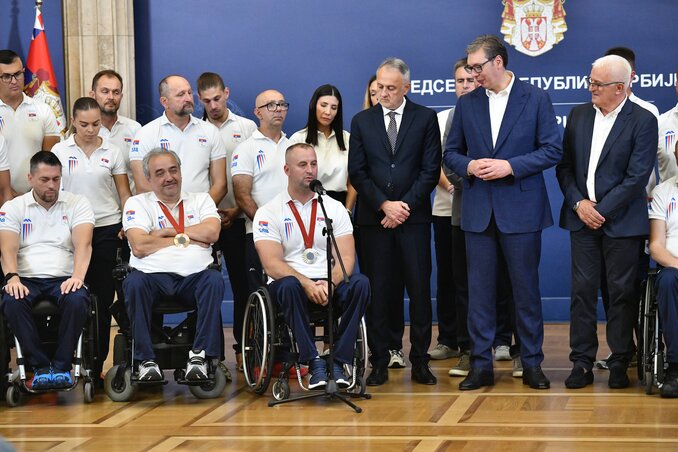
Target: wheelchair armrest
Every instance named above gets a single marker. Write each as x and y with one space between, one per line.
216 259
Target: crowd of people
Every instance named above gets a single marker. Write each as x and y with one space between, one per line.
165 192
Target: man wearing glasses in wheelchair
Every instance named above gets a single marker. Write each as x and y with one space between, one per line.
46 244
289 240
170 233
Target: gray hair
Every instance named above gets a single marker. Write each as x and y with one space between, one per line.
399 65
154 153
619 69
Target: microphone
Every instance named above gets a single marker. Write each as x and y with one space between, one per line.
317 187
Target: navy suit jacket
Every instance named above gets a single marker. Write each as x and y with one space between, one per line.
623 169
528 138
409 175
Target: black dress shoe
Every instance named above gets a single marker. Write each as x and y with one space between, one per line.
579 378
618 377
669 389
476 379
422 374
534 377
378 377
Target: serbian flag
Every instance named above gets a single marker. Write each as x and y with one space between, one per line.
41 82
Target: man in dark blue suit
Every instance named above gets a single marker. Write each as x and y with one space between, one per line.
609 151
394 164
503 137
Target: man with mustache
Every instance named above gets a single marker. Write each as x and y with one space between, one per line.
197 142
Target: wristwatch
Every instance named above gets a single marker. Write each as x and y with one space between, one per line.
576 206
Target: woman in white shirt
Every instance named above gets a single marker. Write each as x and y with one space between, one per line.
93 167
325 132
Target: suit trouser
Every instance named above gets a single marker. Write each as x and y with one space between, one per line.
203 290
446 308
73 310
666 285
99 278
590 249
460 277
350 302
397 259
522 252
233 248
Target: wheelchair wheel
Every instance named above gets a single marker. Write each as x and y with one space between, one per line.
645 339
123 392
89 392
281 389
13 396
210 390
257 341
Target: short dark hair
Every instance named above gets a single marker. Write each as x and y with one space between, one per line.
209 80
492 45
46 158
624 52
312 123
105 73
8 56
459 64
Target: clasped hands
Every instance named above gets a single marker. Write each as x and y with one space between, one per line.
396 213
489 169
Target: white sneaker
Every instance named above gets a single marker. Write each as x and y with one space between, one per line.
397 360
196 368
442 351
502 353
517 371
150 371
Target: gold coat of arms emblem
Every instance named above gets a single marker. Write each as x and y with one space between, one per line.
533 27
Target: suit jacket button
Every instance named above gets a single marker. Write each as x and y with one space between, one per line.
392 165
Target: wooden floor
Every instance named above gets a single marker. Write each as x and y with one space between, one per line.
400 416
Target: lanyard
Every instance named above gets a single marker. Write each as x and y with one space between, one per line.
179 227
308 238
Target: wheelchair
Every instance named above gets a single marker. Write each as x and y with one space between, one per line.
171 345
46 316
269 350
651 363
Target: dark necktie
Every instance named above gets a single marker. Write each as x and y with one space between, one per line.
392 131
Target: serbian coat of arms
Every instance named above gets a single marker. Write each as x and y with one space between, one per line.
533 27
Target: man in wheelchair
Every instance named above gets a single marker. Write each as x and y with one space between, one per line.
290 243
170 233
664 250
46 244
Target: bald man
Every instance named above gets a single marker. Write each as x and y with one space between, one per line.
196 142
257 168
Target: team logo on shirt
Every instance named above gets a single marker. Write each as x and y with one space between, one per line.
26 229
234 161
320 220
670 208
64 219
135 147
261 158
32 116
2 123
202 141
129 140
130 215
162 222
190 216
237 136
105 162
669 141
72 164
165 144
2 217
288 227
263 227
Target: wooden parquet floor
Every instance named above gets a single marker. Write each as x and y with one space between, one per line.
400 416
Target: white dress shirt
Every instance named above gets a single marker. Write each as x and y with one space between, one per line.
398 116
498 103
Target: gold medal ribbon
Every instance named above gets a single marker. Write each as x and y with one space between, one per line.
179 227
308 237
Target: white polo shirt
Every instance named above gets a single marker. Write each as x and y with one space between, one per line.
233 131
264 160
121 136
92 177
197 146
24 130
275 221
332 161
4 162
45 243
143 212
666 147
665 207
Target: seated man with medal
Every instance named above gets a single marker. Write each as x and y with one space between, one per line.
170 234
288 235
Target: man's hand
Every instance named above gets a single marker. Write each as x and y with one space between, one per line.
228 216
71 285
16 289
163 232
588 214
316 291
396 211
121 234
389 224
490 169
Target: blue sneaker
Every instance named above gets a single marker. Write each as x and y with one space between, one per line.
318 371
42 379
61 378
339 375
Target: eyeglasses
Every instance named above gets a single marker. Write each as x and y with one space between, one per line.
599 85
273 106
477 68
7 78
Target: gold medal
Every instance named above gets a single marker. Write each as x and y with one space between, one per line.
182 240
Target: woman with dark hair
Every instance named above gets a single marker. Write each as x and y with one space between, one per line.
96 169
325 132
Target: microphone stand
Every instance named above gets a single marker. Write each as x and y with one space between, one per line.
331 388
